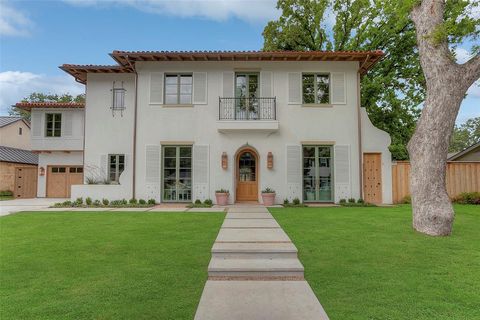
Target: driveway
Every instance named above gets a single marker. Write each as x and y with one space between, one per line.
10 206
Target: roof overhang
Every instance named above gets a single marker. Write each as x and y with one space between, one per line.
28 106
79 72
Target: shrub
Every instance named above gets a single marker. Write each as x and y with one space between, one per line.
222 191
407 200
296 201
342 201
117 203
79 201
268 190
286 202
88 201
132 201
151 201
105 202
142 202
91 180
6 193
67 203
468 198
360 201
351 200
198 201
208 202
97 203
124 202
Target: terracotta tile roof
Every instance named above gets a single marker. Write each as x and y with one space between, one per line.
63 105
79 72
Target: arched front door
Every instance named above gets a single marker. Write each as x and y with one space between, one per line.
247 175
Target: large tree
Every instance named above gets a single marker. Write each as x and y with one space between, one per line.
393 89
465 135
437 24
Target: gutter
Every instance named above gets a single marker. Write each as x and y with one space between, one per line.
360 151
134 130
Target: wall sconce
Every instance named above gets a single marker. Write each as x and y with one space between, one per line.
41 171
224 161
270 160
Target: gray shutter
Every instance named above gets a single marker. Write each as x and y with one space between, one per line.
200 172
338 88
266 84
294 171
294 88
152 172
200 88
228 83
104 166
68 124
37 124
341 180
156 87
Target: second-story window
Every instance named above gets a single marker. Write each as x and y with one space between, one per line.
53 125
316 88
178 88
118 102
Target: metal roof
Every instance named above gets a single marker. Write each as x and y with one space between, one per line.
463 152
8 154
6 120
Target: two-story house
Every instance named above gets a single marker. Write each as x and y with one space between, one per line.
176 126
57 137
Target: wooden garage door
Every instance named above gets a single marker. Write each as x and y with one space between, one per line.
372 177
25 182
61 178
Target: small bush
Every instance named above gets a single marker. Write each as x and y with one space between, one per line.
105 202
468 198
296 201
198 201
360 201
124 201
151 201
407 200
79 201
351 200
6 193
268 190
222 191
67 203
142 202
88 201
117 203
97 203
342 201
132 201
286 202
208 202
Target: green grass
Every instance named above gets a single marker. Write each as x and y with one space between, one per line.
78 265
368 263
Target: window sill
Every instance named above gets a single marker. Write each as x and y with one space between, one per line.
172 105
317 105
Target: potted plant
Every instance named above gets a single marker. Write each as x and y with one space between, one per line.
222 197
268 196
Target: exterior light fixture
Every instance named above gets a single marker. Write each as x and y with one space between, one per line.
270 160
224 161
41 171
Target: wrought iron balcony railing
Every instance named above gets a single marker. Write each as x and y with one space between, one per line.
247 108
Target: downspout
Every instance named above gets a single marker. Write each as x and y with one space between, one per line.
134 159
360 152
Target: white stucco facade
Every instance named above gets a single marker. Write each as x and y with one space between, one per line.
198 125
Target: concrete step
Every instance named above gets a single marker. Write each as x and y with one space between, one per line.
255 268
240 300
250 223
254 250
252 235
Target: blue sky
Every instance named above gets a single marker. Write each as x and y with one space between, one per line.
38 36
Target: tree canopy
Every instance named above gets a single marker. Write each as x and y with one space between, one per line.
465 135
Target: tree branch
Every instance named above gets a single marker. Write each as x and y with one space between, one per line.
472 70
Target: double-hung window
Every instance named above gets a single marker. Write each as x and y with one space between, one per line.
316 88
178 88
53 125
116 165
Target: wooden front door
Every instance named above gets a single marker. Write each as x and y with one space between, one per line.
372 177
25 182
247 176
61 178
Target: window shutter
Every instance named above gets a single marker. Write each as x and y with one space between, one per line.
200 88
37 124
294 171
68 124
228 82
152 172
104 166
295 88
266 84
342 172
200 172
156 87
338 88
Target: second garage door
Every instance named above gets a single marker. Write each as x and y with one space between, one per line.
61 178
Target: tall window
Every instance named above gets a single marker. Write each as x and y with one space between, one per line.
116 165
118 102
53 125
20 131
178 88
316 88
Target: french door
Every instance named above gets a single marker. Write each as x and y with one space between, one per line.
177 174
246 96
317 174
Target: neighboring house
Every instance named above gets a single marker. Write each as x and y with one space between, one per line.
14 132
176 126
57 137
18 172
471 153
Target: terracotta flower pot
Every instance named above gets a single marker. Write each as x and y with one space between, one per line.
222 198
268 199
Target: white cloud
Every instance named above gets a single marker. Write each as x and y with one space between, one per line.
218 10
12 21
462 55
16 85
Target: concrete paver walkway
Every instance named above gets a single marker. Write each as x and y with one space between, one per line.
255 273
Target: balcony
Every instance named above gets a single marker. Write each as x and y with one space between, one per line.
247 114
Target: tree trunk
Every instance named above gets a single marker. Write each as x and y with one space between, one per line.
447 83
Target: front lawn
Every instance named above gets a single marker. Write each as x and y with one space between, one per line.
79 265
368 263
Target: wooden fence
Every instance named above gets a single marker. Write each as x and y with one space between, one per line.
461 177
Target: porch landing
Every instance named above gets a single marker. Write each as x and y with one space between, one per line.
255 273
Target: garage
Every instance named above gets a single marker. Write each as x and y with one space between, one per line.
60 178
